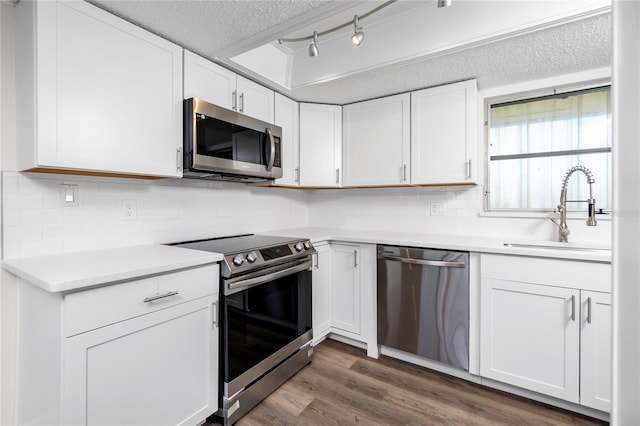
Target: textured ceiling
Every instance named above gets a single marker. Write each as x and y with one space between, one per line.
222 28
573 47
209 27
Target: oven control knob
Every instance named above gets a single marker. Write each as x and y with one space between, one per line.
251 257
298 247
238 260
307 245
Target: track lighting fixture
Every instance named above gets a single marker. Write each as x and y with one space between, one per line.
358 35
313 47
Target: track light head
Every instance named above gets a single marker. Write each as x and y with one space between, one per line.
313 47
358 34
444 3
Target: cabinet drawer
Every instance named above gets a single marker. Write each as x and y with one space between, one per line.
583 275
98 307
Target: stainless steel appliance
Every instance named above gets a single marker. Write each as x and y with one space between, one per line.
222 144
265 316
423 303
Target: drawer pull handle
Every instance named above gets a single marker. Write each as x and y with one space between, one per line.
159 296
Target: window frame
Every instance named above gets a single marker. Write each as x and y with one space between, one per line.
555 86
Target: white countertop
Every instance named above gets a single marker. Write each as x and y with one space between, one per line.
73 271
448 242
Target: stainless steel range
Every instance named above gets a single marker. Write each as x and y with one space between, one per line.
265 316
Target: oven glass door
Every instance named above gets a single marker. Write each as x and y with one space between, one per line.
263 319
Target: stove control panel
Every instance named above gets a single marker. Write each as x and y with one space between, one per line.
245 261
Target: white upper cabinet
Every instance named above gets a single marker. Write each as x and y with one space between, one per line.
207 81
210 82
320 145
443 134
287 116
95 93
376 142
255 100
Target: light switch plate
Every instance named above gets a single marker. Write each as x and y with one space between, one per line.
68 195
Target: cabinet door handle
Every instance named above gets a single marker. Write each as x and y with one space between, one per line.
241 102
214 313
160 296
355 258
234 100
573 307
404 172
317 256
337 175
297 171
469 169
179 159
588 310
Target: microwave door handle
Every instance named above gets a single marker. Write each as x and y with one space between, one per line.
272 150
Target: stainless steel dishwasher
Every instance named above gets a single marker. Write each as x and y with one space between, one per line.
423 303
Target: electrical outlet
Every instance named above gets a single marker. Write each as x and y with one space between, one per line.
437 209
129 210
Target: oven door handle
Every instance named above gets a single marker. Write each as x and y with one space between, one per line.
252 282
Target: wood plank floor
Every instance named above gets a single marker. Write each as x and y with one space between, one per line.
342 386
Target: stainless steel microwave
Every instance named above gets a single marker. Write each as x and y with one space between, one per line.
221 144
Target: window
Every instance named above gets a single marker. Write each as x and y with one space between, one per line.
533 142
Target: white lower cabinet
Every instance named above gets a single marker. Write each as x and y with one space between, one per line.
321 296
345 288
140 352
155 369
344 292
595 350
529 338
545 325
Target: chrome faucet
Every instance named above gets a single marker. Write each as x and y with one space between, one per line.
563 229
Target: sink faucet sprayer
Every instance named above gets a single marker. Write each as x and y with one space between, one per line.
563 229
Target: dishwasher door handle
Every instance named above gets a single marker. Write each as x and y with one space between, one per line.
440 263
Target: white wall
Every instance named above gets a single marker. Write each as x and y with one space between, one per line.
626 260
8 288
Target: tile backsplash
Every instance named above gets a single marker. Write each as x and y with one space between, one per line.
36 223
438 210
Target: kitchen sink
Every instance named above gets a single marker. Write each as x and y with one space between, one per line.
555 245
